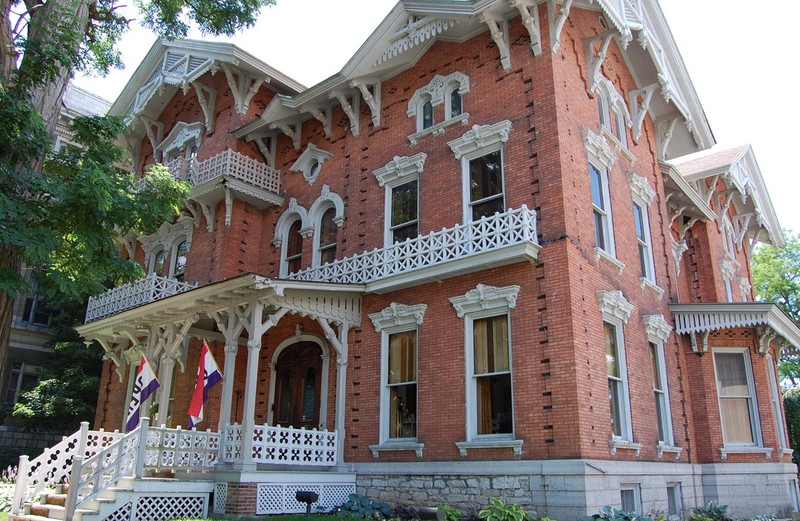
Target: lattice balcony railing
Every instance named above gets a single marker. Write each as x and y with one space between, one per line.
282 445
509 228
133 294
179 449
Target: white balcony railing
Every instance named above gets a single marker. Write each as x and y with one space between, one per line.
133 294
512 227
282 445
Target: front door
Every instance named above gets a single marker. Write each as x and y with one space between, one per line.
297 388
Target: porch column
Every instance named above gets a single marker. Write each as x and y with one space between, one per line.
165 370
228 372
341 391
251 382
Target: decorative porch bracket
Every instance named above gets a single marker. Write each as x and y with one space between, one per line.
529 13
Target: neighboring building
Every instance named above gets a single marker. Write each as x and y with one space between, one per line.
472 256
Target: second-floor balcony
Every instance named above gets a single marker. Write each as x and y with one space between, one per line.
133 294
504 238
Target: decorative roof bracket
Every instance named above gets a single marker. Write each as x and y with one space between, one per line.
352 110
529 13
765 335
267 150
679 247
323 115
154 130
740 224
373 98
205 209
664 129
557 18
293 133
499 32
640 109
207 97
111 354
722 208
595 56
699 342
243 87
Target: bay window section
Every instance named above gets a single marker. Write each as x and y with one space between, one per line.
736 395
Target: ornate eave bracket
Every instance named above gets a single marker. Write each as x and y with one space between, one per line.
207 98
679 247
292 130
640 100
699 342
322 114
595 56
665 127
557 17
243 87
498 28
154 131
370 89
529 13
350 107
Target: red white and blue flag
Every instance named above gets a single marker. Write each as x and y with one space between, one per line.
207 375
144 385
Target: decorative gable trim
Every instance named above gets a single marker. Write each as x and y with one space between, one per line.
613 305
416 31
657 327
395 315
480 136
400 167
484 298
641 188
310 162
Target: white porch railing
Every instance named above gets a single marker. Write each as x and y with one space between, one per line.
53 465
511 227
228 163
282 445
133 294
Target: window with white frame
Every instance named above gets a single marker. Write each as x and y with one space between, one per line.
180 253
616 310
157 262
23 378
481 153
398 325
614 113
400 177
736 394
776 402
601 158
292 227
630 498
674 501
326 247
490 407
658 331
166 251
310 162
324 220
442 90
643 195
293 257
180 147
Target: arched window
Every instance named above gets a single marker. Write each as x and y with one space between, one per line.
179 261
427 114
455 103
157 263
327 236
294 248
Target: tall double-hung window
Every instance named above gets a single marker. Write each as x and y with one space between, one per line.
616 310
481 153
488 350
601 158
737 401
643 196
401 180
398 325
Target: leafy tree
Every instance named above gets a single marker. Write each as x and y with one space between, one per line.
60 215
67 392
776 276
791 405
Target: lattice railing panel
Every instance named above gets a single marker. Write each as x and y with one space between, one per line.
133 294
164 508
123 513
335 495
283 445
179 449
512 227
220 497
280 499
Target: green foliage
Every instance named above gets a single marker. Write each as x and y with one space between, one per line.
776 278
451 513
499 510
172 18
791 406
711 511
364 507
6 496
615 514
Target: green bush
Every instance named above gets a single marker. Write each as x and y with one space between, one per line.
364 507
451 513
499 510
711 511
6 496
615 514
791 404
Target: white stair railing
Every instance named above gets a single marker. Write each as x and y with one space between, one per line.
282 445
53 465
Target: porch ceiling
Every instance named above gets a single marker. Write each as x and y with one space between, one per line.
338 303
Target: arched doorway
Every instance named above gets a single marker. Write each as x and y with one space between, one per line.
298 377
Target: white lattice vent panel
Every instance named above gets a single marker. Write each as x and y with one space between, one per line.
123 513
220 497
280 499
164 508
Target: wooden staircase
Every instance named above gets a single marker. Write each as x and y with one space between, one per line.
52 504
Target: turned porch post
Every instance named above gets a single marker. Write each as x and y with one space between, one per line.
166 368
256 329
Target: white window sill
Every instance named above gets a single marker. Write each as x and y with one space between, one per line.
652 286
396 446
463 446
669 449
619 146
787 452
766 451
620 444
438 128
601 254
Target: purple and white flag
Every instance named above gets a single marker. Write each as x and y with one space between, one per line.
144 385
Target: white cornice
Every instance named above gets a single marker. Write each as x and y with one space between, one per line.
484 298
613 304
398 315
